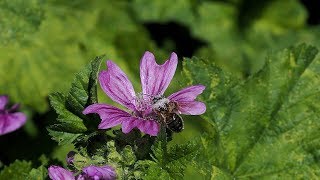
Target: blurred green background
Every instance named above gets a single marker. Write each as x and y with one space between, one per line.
43 43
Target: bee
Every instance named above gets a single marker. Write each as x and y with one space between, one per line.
167 112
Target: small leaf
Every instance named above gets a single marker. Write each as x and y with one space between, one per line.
159 148
40 173
113 156
83 90
63 138
71 122
171 163
128 155
68 122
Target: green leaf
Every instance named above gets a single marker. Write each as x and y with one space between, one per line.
168 163
240 35
48 58
23 170
83 92
63 138
128 155
159 148
266 126
38 174
19 18
68 121
17 170
218 88
164 11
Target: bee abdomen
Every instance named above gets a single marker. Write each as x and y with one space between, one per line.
175 123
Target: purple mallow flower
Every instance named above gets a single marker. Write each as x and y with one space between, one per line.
99 173
10 119
154 79
88 173
59 173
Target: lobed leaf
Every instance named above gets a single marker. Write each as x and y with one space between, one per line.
265 126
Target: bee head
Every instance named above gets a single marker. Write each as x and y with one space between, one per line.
157 98
160 103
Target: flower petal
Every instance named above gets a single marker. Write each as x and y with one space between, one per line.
192 108
11 122
187 94
96 172
110 116
117 86
149 127
186 100
59 173
3 102
156 78
129 124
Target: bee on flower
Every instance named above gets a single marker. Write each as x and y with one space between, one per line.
146 110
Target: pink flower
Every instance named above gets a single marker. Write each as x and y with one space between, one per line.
154 79
59 173
10 120
88 173
96 172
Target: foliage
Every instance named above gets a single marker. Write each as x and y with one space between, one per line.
261 87
19 18
238 34
82 93
23 170
166 163
265 126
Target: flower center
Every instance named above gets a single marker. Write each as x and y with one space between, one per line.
143 104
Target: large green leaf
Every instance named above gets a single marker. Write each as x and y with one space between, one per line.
48 58
41 65
239 36
266 126
18 19
164 11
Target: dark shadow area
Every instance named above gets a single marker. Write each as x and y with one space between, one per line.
249 11
20 145
184 44
313 7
